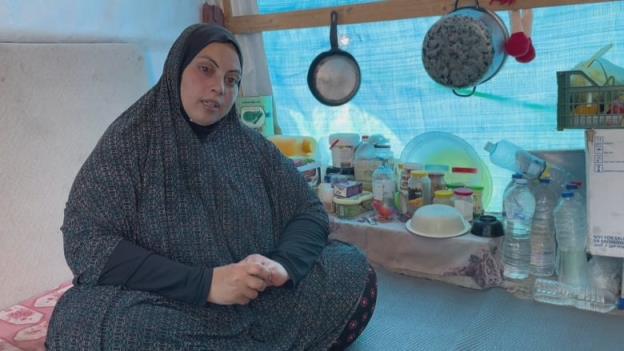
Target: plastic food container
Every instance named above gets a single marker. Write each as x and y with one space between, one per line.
354 206
342 148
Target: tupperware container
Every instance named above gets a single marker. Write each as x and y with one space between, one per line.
354 206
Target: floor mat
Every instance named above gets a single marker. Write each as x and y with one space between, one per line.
418 314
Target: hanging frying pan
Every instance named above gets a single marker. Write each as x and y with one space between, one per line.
334 75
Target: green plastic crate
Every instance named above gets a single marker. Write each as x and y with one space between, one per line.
589 106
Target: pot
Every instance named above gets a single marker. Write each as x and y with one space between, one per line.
334 75
465 48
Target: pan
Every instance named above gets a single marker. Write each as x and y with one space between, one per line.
465 48
334 75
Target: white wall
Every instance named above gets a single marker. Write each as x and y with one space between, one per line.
152 25
55 102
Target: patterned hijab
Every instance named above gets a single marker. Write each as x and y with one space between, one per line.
188 45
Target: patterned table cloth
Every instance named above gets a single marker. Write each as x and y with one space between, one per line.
467 260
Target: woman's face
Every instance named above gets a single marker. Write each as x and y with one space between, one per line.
209 85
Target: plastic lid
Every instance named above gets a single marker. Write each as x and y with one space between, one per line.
354 200
463 192
436 168
567 194
487 226
436 174
475 187
516 176
464 170
544 180
418 173
338 170
382 146
412 165
351 139
455 185
443 194
571 186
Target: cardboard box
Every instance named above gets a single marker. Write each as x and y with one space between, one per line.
257 112
347 189
605 191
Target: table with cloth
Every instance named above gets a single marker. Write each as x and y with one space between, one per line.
467 260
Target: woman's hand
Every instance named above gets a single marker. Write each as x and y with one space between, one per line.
238 283
279 275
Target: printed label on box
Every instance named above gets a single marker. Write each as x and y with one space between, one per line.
605 189
257 112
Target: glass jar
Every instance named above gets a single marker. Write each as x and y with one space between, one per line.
443 197
477 199
462 200
437 182
384 183
419 190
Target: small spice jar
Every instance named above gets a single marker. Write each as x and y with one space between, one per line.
437 181
462 200
443 197
477 199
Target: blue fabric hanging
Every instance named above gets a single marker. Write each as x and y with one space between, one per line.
397 97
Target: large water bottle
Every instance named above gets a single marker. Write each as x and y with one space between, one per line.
511 183
519 207
384 185
365 163
543 245
586 298
578 196
514 158
571 233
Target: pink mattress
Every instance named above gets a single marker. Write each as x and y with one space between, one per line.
23 327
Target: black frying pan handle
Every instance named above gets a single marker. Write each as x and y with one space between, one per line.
333 35
457 2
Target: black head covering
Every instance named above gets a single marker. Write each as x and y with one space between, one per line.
203 35
190 43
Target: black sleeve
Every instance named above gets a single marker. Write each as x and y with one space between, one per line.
136 268
302 242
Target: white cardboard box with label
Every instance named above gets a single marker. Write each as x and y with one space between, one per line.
605 191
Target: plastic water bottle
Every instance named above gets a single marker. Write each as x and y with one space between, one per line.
514 158
586 298
519 207
571 233
365 160
511 183
543 245
578 197
384 185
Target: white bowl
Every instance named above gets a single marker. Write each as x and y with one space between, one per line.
438 221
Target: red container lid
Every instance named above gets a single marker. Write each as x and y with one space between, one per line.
464 170
463 192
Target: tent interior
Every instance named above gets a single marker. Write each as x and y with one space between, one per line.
69 69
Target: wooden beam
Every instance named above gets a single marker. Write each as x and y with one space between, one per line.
227 8
374 12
